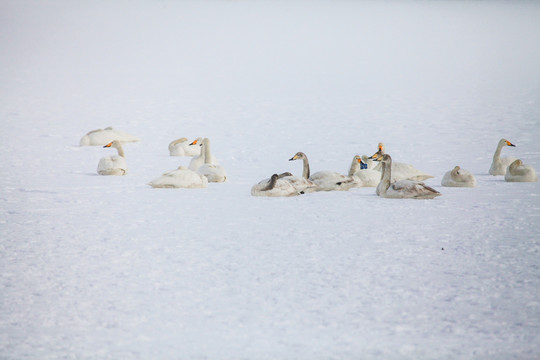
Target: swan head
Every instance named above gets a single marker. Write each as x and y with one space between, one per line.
360 159
115 144
506 142
384 158
197 141
298 155
379 152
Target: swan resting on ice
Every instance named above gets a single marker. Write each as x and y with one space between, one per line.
519 172
180 178
182 147
324 180
401 189
276 186
114 164
100 137
458 177
499 165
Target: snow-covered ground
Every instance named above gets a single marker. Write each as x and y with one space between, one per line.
96 267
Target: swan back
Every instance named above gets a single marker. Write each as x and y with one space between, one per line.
101 137
180 178
519 172
274 187
458 177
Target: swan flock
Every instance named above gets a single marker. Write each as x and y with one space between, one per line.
392 179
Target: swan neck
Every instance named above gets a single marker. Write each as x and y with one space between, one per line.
120 151
354 167
306 167
386 175
271 184
206 152
497 154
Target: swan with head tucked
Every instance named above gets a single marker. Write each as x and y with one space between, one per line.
114 164
519 172
180 178
499 165
325 180
363 175
458 177
274 187
213 172
401 171
104 136
182 147
198 161
401 189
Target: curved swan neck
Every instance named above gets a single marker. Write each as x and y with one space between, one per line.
497 154
306 167
272 183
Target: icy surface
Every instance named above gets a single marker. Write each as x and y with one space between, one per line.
96 267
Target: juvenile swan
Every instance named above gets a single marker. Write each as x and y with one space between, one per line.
325 180
401 189
180 178
458 177
401 171
213 172
182 147
499 165
518 172
275 187
104 136
114 164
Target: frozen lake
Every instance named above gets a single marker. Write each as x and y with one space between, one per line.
97 267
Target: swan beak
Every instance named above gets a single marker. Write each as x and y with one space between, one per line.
509 143
293 158
108 145
194 143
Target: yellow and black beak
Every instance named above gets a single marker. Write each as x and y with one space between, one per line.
377 156
194 142
293 158
509 143
108 145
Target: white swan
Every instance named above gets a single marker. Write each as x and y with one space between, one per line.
518 172
213 172
401 189
363 175
274 187
180 178
458 177
105 136
182 147
324 180
499 165
401 171
114 164
200 160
